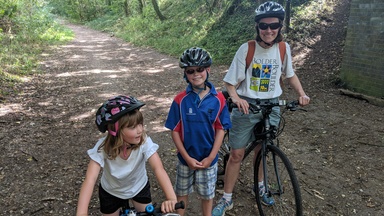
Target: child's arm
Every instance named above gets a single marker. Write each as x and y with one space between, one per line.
215 149
192 162
164 182
87 188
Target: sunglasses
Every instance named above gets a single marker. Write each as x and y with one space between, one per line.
192 71
272 26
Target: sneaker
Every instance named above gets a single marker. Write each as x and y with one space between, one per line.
265 199
222 206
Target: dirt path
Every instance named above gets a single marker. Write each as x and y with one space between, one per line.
336 147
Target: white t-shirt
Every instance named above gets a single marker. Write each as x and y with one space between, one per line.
124 178
262 77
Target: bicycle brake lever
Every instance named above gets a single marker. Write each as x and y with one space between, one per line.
294 105
254 108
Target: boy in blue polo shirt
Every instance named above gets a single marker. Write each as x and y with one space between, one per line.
198 118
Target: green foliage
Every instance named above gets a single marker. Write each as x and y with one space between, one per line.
188 23
26 26
28 31
308 16
220 29
80 10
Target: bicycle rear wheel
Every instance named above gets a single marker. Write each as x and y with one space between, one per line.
223 155
282 184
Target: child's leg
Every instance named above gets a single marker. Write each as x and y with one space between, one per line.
207 207
113 214
183 186
109 204
181 212
143 198
205 186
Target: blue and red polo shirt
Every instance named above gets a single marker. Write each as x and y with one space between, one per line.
196 120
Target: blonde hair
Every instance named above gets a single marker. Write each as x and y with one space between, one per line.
112 144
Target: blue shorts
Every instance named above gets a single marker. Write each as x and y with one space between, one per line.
241 132
204 181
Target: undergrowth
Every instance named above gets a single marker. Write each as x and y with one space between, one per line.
220 30
26 29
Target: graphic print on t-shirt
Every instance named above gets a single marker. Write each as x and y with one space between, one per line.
261 75
262 79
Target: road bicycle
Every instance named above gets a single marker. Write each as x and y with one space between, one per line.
150 210
280 181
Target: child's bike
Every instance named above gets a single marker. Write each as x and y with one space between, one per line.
150 210
280 181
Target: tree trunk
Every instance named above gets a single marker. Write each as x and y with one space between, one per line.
157 10
233 6
210 9
288 15
126 10
141 6
215 3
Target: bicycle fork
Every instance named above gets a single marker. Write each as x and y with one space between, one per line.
264 155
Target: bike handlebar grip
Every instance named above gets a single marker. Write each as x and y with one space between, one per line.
180 205
149 208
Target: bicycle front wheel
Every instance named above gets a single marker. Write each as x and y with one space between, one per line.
282 185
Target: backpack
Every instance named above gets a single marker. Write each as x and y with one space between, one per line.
251 52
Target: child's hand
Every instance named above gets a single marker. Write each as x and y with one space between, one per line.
168 206
193 164
206 162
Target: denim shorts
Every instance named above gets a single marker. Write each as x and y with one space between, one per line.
110 204
203 180
241 132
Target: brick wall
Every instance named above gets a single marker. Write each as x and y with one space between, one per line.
362 68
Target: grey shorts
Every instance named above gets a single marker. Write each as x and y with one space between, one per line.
241 132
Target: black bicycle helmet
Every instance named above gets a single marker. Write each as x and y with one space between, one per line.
269 9
114 108
195 56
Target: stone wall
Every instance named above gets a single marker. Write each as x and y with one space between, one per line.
362 69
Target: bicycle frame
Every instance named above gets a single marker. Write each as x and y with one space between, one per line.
278 175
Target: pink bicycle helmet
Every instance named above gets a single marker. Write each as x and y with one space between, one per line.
113 109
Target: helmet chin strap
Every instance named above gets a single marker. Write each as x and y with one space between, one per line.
125 147
199 90
114 133
268 44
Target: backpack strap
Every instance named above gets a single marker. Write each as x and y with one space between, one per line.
252 48
282 47
250 53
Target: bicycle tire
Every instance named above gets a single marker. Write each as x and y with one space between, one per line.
223 155
288 199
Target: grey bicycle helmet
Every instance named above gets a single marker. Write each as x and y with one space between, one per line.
269 9
195 57
113 109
